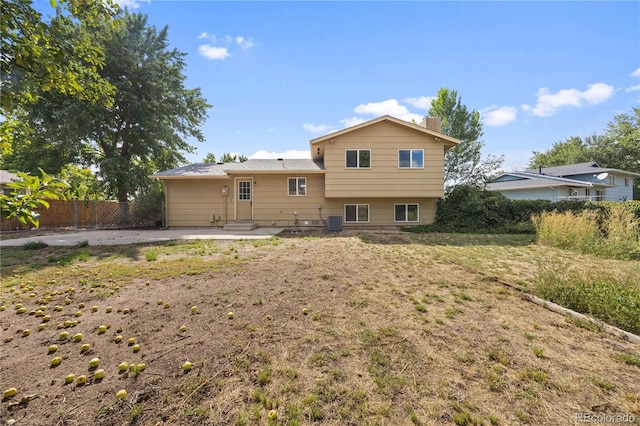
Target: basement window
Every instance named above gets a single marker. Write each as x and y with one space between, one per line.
356 213
406 213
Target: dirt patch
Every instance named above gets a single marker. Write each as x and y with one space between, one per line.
368 329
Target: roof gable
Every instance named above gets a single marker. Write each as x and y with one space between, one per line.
448 140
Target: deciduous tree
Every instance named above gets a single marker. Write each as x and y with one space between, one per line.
147 127
463 164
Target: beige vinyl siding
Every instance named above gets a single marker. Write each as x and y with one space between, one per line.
382 211
273 206
192 202
384 179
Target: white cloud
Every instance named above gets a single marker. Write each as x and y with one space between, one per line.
636 73
218 52
206 35
598 93
389 107
633 88
212 52
244 43
549 103
290 153
321 128
422 102
131 4
498 116
353 121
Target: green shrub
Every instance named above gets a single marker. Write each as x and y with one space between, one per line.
472 208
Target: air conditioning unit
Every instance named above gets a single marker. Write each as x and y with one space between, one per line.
334 223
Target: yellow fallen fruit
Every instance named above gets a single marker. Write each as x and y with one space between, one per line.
272 415
122 394
99 374
9 393
70 378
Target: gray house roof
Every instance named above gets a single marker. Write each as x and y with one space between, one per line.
538 182
579 169
222 170
532 178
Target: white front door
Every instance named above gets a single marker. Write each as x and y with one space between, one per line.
244 200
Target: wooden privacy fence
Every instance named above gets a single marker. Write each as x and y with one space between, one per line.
78 214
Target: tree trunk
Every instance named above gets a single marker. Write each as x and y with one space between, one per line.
123 203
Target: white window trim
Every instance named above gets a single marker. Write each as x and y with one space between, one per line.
357 211
406 212
358 154
306 189
410 158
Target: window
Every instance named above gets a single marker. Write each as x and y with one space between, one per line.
406 213
358 158
244 190
587 193
626 181
356 213
297 186
612 180
411 158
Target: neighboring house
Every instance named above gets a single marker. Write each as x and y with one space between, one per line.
5 178
382 173
580 182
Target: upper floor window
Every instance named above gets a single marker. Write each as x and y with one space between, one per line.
612 180
411 158
297 186
626 181
358 158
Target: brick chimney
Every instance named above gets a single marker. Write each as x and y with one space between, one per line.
432 123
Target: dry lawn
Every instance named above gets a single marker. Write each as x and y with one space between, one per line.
389 329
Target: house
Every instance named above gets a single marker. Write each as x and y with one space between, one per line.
7 177
385 172
582 181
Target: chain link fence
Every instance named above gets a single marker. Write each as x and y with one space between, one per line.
79 214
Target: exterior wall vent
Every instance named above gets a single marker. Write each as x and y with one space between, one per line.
334 223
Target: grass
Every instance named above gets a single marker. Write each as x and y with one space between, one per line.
615 234
363 355
614 299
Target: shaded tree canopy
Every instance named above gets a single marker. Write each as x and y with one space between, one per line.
57 55
147 126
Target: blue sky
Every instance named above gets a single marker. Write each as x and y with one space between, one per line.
282 73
